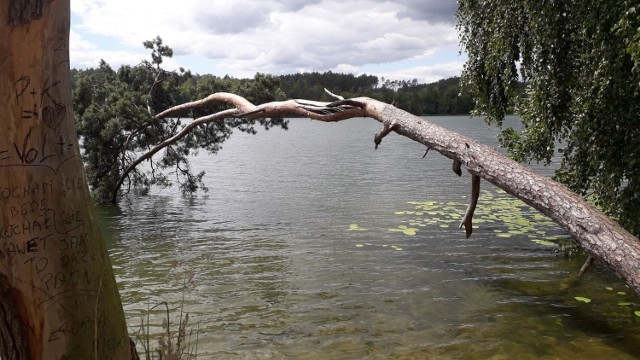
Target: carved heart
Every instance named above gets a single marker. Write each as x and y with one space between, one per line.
53 115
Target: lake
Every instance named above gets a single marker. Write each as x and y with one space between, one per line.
311 245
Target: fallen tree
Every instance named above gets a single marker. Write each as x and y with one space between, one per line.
603 239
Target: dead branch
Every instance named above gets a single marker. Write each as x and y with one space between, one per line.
467 220
335 111
585 266
386 129
333 95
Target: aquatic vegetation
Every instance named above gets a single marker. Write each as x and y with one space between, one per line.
583 299
355 227
497 212
405 230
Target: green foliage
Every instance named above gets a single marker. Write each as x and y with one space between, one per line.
441 98
114 106
580 62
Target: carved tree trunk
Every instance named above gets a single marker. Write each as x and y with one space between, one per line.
58 295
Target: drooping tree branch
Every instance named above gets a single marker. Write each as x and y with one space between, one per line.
467 220
600 237
386 129
184 132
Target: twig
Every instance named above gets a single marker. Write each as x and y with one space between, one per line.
583 269
425 153
333 95
386 129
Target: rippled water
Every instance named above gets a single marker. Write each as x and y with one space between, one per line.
291 255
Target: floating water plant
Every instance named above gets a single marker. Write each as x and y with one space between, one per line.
545 243
514 217
583 299
355 227
359 245
637 313
405 230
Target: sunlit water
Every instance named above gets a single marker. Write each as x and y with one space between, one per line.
292 254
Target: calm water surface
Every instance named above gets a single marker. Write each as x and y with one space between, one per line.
302 249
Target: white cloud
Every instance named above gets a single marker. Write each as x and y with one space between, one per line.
426 74
242 37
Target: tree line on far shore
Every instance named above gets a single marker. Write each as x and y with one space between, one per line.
443 97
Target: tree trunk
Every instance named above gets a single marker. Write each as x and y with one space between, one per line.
58 295
602 238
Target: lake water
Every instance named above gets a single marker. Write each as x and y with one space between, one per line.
311 245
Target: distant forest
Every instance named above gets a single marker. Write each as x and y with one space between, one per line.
444 97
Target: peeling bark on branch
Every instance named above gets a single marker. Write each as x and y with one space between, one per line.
599 236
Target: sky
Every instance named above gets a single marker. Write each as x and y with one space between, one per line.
403 40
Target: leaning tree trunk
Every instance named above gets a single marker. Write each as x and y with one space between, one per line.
602 238
58 295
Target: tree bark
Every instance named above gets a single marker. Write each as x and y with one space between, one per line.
602 238
58 295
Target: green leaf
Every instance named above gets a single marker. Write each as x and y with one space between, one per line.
544 242
355 227
637 313
583 299
410 231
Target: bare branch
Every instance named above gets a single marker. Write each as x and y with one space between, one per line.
333 95
234 100
467 220
585 266
386 129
